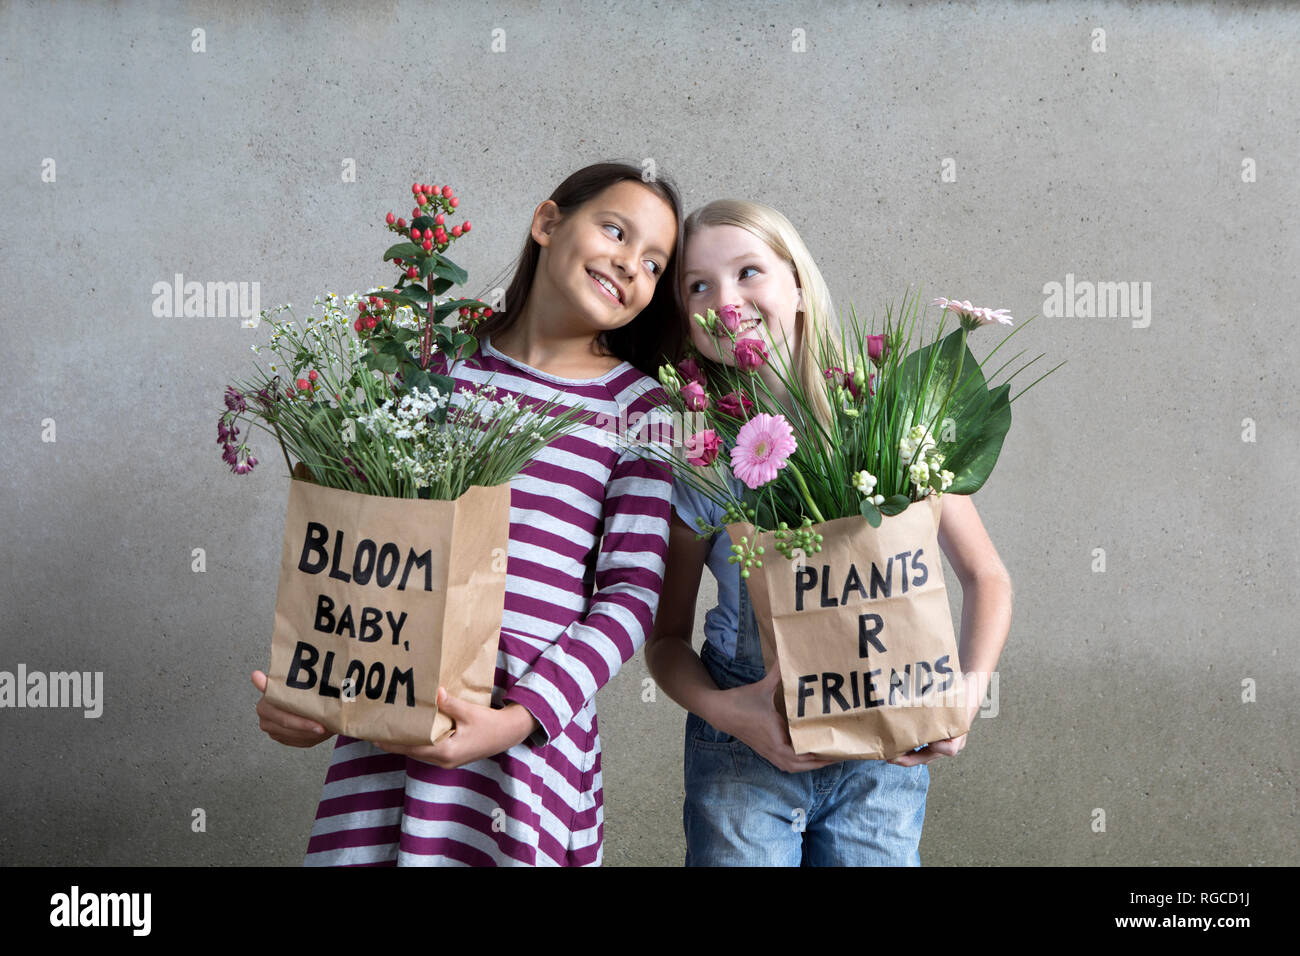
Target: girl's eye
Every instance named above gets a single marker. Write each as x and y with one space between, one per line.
747 269
692 287
654 266
610 225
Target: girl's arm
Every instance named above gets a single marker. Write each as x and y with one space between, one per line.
749 712
669 655
628 578
985 587
985 611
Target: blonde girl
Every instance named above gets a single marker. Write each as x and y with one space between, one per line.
750 799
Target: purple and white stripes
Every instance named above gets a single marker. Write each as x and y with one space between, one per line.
588 538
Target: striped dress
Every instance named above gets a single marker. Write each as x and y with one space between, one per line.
588 539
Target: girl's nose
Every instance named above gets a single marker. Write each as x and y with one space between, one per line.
620 260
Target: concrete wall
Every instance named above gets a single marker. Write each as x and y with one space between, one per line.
1167 158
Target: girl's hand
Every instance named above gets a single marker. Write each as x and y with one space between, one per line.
949 747
480 732
751 716
284 727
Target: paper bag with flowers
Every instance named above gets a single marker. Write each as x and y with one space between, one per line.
392 574
831 467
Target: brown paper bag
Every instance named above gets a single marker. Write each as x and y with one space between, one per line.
869 665
382 601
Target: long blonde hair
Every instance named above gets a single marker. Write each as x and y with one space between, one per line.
818 350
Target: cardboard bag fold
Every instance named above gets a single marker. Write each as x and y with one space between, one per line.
863 631
382 601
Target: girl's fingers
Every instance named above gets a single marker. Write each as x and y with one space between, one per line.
271 714
455 708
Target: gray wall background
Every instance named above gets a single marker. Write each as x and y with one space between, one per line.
1120 690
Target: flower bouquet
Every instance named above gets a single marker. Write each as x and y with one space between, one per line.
856 613
392 574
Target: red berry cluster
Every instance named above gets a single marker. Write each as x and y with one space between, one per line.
305 385
373 310
427 199
469 317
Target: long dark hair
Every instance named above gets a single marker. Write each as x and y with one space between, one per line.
659 332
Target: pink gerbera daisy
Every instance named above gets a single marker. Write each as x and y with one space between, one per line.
762 446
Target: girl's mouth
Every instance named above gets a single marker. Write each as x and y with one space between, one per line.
610 291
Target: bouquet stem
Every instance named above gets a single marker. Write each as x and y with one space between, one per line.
803 489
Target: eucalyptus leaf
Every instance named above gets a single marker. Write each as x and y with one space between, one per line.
895 504
871 513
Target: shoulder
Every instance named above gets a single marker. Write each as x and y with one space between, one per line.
631 388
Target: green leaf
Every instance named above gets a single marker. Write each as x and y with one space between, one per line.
396 349
380 363
442 285
402 250
980 417
871 513
971 460
894 504
414 377
447 269
444 310
416 294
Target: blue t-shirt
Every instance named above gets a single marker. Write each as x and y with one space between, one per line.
722 623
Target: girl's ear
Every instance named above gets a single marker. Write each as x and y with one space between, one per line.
798 299
546 217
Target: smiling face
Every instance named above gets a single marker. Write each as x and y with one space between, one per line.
604 258
728 265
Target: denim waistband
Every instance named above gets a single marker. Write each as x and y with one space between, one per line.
727 672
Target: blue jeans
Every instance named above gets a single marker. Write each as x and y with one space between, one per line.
742 811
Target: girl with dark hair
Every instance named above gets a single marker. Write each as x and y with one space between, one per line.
588 316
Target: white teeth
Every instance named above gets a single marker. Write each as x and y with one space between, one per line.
606 284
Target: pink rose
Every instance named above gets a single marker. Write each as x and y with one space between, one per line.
877 350
693 395
735 404
844 378
690 370
750 354
730 316
702 448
